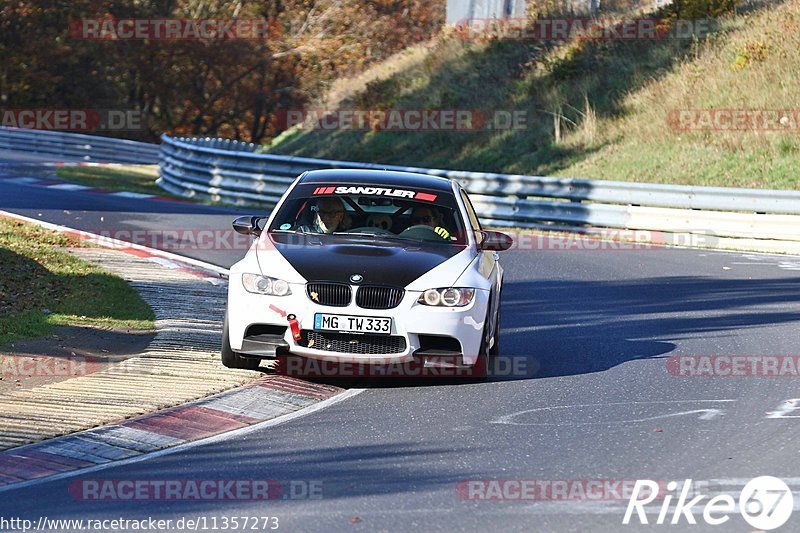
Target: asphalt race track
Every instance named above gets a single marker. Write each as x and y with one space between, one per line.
593 331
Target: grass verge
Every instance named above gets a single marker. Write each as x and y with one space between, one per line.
130 178
597 109
43 286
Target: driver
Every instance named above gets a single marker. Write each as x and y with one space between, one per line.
329 215
428 216
425 216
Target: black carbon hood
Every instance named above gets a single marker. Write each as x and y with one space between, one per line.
381 262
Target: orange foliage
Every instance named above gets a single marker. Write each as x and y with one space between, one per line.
214 87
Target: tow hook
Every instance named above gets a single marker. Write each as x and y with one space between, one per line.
294 325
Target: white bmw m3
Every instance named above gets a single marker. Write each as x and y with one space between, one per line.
364 266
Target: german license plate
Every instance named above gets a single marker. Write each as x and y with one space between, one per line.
352 324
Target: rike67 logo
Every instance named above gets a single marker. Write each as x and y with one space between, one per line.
765 503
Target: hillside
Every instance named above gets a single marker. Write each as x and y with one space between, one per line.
603 109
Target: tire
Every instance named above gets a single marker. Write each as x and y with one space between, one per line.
483 366
231 359
494 351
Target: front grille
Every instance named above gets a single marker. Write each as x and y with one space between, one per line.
352 344
332 294
378 297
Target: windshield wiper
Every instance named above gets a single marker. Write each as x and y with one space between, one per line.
357 233
382 236
297 232
420 241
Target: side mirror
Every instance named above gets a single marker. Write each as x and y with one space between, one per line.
494 241
247 225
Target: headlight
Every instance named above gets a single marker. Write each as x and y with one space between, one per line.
265 285
448 297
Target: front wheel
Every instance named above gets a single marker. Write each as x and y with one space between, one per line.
483 366
494 351
232 359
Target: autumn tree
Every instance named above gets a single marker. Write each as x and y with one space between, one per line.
200 87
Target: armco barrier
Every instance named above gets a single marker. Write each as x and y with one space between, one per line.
78 146
231 171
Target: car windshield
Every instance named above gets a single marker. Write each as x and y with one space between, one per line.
372 212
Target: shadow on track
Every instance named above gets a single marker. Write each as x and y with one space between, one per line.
579 327
564 328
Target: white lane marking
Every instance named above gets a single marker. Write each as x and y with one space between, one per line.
23 180
69 187
709 414
790 405
705 414
137 195
194 444
165 262
783 262
785 265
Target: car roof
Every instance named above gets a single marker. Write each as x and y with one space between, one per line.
377 178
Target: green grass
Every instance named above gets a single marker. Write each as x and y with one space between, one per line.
610 100
131 178
43 286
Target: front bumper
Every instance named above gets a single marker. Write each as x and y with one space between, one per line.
410 321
